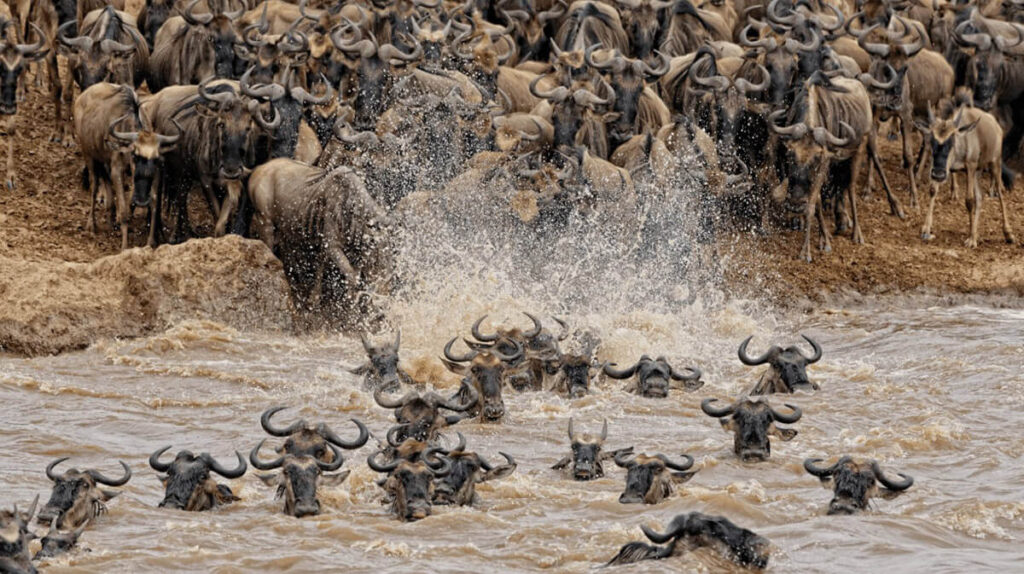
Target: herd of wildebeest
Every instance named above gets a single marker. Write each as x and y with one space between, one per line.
421 469
310 125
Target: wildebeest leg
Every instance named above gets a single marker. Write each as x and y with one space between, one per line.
155 221
211 198
825 238
858 161
55 91
908 155
926 229
243 216
973 200
894 204
93 186
12 134
66 136
234 192
922 159
180 196
869 183
123 208
997 184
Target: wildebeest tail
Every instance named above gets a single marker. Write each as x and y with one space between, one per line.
1009 176
85 178
637 551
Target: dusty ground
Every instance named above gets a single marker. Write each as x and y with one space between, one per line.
44 219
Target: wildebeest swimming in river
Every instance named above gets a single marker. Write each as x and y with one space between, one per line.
188 484
855 482
696 530
752 422
787 370
587 460
76 498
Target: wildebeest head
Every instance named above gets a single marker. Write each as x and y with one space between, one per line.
985 62
649 479
779 56
942 132
146 149
299 478
485 373
854 483
95 60
572 106
188 484
15 538
76 497
654 377
13 60
531 27
629 77
216 30
411 484
458 488
381 371
731 82
575 374
889 59
508 341
305 439
587 460
751 423
642 21
788 367
420 415
698 530
57 542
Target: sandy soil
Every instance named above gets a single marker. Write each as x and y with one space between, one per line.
44 219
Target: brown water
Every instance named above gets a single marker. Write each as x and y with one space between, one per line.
932 391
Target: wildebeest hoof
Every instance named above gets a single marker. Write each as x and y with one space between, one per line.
10 183
1010 239
970 242
925 236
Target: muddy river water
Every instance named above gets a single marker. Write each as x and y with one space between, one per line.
931 389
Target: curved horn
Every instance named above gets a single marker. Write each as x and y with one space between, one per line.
584 97
166 140
52 465
793 45
891 484
221 98
326 432
257 114
154 460
709 410
624 459
333 465
441 467
475 330
870 81
716 82
389 403
80 42
694 374
392 435
767 43
123 137
461 447
193 19
509 358
254 459
817 350
556 95
825 137
389 52
26 49
371 461
747 88
236 14
796 131
873 48
657 537
610 63
664 64
753 361
554 13
564 334
793 19
471 399
604 430
820 472
572 436
840 19
675 465
100 478
787 419
536 326
274 431
226 473
617 374
304 97
458 358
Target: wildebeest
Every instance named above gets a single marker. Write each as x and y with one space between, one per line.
458 488
485 375
575 373
381 371
56 542
965 140
696 530
649 479
787 368
752 422
193 47
76 498
654 377
855 482
299 478
420 414
188 485
330 234
526 371
305 439
14 58
410 485
587 460
15 537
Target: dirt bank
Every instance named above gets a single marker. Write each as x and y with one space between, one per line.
54 306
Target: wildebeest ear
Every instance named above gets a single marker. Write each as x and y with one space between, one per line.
614 453
785 434
361 369
727 424
269 479
969 127
334 479
562 463
923 126
500 472
108 494
456 367
681 477
886 494
827 482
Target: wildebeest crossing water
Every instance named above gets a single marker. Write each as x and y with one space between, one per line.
929 388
